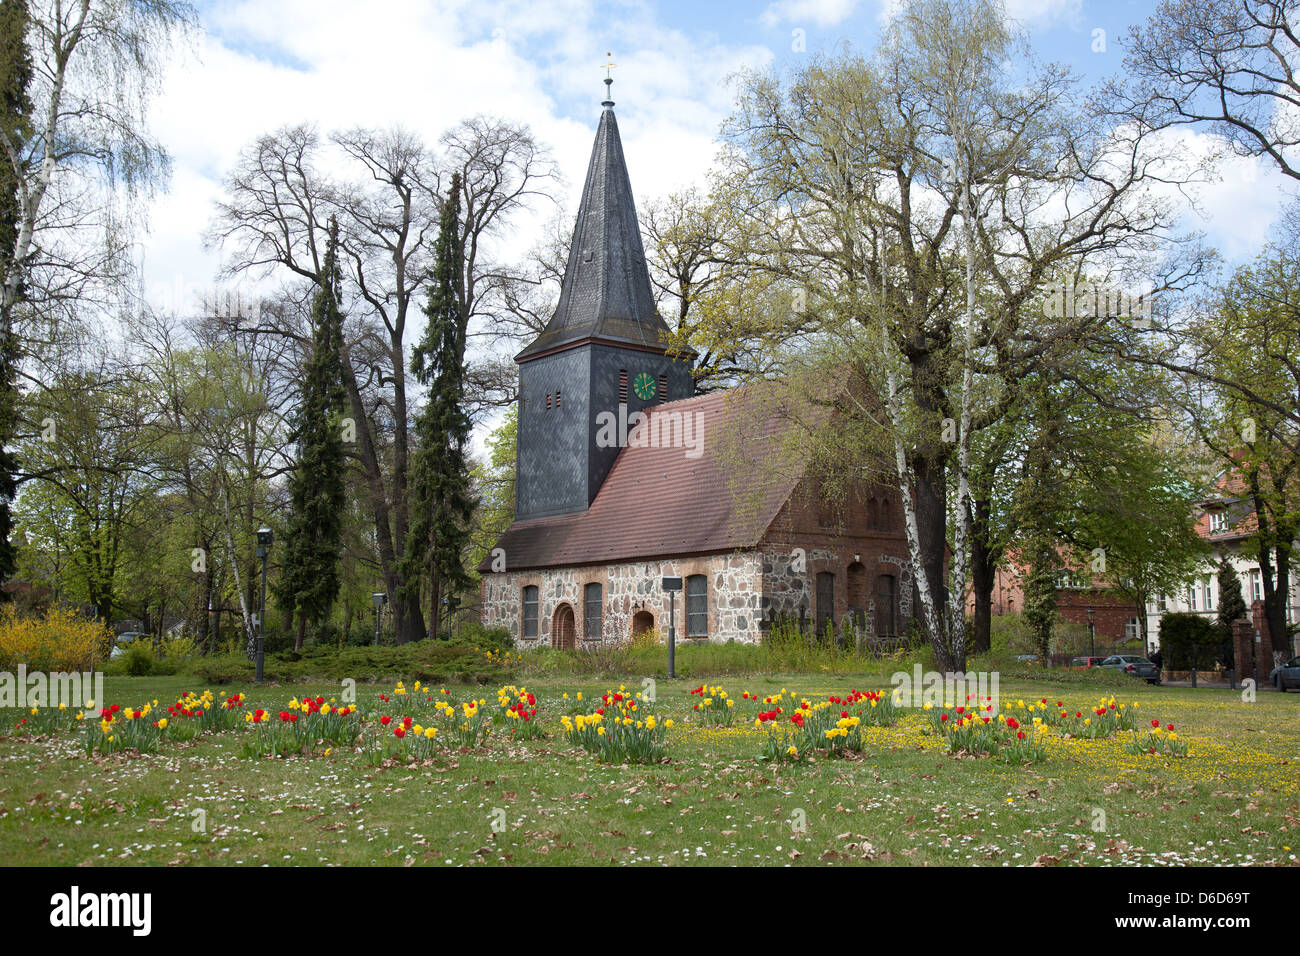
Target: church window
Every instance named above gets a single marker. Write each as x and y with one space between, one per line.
548 399
825 601
663 388
886 606
557 399
622 386
530 611
592 598
697 606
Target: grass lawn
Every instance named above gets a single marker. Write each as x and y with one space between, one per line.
904 800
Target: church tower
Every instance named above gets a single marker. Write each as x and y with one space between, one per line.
602 352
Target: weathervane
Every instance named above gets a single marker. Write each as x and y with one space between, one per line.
608 66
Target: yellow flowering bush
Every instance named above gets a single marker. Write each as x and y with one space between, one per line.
61 641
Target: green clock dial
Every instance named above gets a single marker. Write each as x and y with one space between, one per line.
644 386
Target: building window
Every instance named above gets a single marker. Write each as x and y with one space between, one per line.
530 611
825 601
697 606
886 605
1071 581
548 399
592 603
557 399
1191 598
1133 629
663 388
622 386
1256 585
1218 522
1207 596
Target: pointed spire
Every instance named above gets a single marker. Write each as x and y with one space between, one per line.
609 81
606 292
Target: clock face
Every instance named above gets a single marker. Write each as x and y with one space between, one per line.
644 386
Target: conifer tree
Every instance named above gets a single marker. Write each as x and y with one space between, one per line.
1231 607
15 108
309 580
442 499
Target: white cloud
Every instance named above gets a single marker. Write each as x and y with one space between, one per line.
822 13
426 66
1039 12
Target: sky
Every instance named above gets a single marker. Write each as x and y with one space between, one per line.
256 65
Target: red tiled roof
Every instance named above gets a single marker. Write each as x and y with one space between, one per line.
656 502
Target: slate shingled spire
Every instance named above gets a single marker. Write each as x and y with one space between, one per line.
606 292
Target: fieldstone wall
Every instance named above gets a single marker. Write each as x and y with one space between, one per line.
628 589
789 573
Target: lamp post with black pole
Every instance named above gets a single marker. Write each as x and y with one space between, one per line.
672 586
1092 632
265 538
380 598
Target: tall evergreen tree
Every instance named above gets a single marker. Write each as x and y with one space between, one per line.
1231 607
442 498
15 109
309 580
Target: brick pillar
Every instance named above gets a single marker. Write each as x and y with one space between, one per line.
1264 649
1243 649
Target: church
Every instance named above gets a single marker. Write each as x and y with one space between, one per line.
624 476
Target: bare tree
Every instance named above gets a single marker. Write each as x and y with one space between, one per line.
274 217
1229 66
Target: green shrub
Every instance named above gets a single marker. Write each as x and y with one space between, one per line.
138 661
1188 641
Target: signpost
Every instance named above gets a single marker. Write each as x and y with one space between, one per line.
672 586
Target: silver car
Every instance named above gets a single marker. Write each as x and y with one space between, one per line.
1287 675
1134 665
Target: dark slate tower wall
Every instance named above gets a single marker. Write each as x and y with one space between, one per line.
606 364
551 468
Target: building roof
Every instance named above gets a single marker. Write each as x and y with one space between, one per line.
606 294
656 502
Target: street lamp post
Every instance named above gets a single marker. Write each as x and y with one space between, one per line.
1092 632
672 586
265 538
380 598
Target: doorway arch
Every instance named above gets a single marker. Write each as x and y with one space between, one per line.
642 621
563 628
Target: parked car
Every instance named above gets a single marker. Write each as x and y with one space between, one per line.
122 641
1027 658
1287 675
1087 662
1135 666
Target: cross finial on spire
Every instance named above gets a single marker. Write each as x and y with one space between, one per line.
608 66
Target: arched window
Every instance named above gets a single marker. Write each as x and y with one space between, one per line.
697 606
825 601
886 606
592 604
886 519
873 514
530 611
